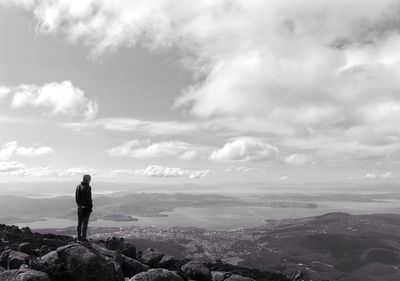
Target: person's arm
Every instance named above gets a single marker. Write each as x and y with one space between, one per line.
90 198
77 193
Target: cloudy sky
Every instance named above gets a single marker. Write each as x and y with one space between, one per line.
200 91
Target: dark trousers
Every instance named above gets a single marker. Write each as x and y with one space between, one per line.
83 220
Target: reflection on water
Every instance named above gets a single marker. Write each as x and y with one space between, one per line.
224 218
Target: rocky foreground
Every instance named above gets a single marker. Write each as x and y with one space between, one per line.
27 256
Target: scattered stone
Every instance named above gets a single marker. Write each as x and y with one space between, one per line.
44 249
220 275
23 275
131 267
158 274
130 251
115 244
4 258
25 248
236 277
151 256
86 264
197 271
170 262
16 259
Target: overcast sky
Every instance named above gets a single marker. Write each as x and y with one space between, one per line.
202 91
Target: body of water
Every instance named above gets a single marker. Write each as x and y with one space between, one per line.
225 218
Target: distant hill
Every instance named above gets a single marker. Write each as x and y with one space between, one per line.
334 246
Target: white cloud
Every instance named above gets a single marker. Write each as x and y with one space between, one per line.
58 98
320 72
19 170
10 149
148 149
4 92
244 169
126 172
10 166
145 127
297 159
245 149
379 176
161 171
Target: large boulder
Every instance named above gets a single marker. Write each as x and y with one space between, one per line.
25 248
129 251
44 250
170 262
53 266
151 256
86 264
220 275
4 258
110 255
131 267
50 258
24 275
236 277
158 274
16 259
113 243
197 271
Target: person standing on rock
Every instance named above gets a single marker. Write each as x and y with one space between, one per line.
83 198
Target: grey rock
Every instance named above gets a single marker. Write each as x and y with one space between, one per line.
25 248
86 264
151 256
130 251
170 262
131 267
44 250
16 259
236 277
115 244
4 258
23 275
158 274
220 275
197 271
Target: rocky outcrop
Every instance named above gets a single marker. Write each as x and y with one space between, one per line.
25 248
119 244
197 271
16 259
24 275
236 277
86 264
131 267
151 256
171 262
27 256
158 274
220 275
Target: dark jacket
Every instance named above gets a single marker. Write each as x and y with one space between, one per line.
83 196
